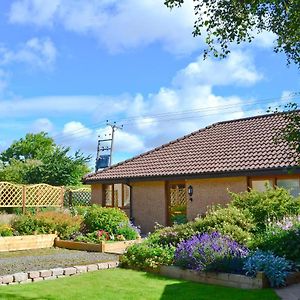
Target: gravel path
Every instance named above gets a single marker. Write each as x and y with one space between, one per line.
37 260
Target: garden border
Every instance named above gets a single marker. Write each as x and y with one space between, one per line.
26 242
224 279
118 246
54 273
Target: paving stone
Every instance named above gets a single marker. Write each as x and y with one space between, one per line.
18 277
57 271
7 278
50 278
33 274
112 264
81 269
26 281
69 271
102 266
37 279
45 273
91 268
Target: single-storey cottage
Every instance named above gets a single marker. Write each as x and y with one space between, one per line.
181 179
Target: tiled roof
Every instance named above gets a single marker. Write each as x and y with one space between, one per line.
230 146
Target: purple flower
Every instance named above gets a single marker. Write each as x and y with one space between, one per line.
202 250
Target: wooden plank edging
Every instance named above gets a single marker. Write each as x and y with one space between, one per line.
26 242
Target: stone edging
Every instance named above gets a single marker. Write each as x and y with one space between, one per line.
51 274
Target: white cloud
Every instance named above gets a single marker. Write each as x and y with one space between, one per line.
118 25
35 52
187 104
42 124
238 69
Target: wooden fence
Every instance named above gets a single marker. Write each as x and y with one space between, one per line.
75 197
41 195
37 195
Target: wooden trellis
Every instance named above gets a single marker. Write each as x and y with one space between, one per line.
38 195
78 197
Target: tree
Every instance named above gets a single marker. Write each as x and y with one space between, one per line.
291 131
33 146
237 21
37 159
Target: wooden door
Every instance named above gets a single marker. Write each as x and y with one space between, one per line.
177 203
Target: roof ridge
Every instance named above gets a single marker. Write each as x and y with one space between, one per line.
184 137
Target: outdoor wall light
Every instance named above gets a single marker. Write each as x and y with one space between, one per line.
190 192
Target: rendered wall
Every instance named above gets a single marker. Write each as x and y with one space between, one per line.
149 204
212 191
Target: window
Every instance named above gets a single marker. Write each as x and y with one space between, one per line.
261 185
293 185
117 195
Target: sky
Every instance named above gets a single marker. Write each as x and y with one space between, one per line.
68 66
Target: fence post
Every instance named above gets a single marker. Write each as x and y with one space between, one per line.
23 199
70 198
62 193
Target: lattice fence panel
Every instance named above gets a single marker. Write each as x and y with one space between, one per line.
43 195
10 195
178 196
79 197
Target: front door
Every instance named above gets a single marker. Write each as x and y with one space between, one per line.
177 203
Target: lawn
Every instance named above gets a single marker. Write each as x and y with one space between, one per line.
126 284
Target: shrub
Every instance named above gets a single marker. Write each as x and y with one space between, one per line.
93 237
144 256
229 221
281 240
108 219
203 251
172 235
275 268
273 204
48 222
128 231
6 230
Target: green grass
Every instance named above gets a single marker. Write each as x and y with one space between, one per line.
126 284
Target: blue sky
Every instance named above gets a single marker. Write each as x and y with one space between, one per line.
67 66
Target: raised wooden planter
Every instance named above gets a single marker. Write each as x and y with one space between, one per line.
26 242
224 279
109 247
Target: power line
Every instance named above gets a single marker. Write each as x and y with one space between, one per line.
172 116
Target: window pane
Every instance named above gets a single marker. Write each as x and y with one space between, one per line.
118 195
261 185
290 184
126 195
108 195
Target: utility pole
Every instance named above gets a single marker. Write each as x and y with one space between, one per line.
114 127
104 159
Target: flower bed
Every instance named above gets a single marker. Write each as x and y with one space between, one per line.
26 242
102 246
224 279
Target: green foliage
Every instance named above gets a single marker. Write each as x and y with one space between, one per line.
48 222
290 132
147 256
172 235
273 204
229 221
32 147
225 22
112 220
285 243
37 159
93 237
6 230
